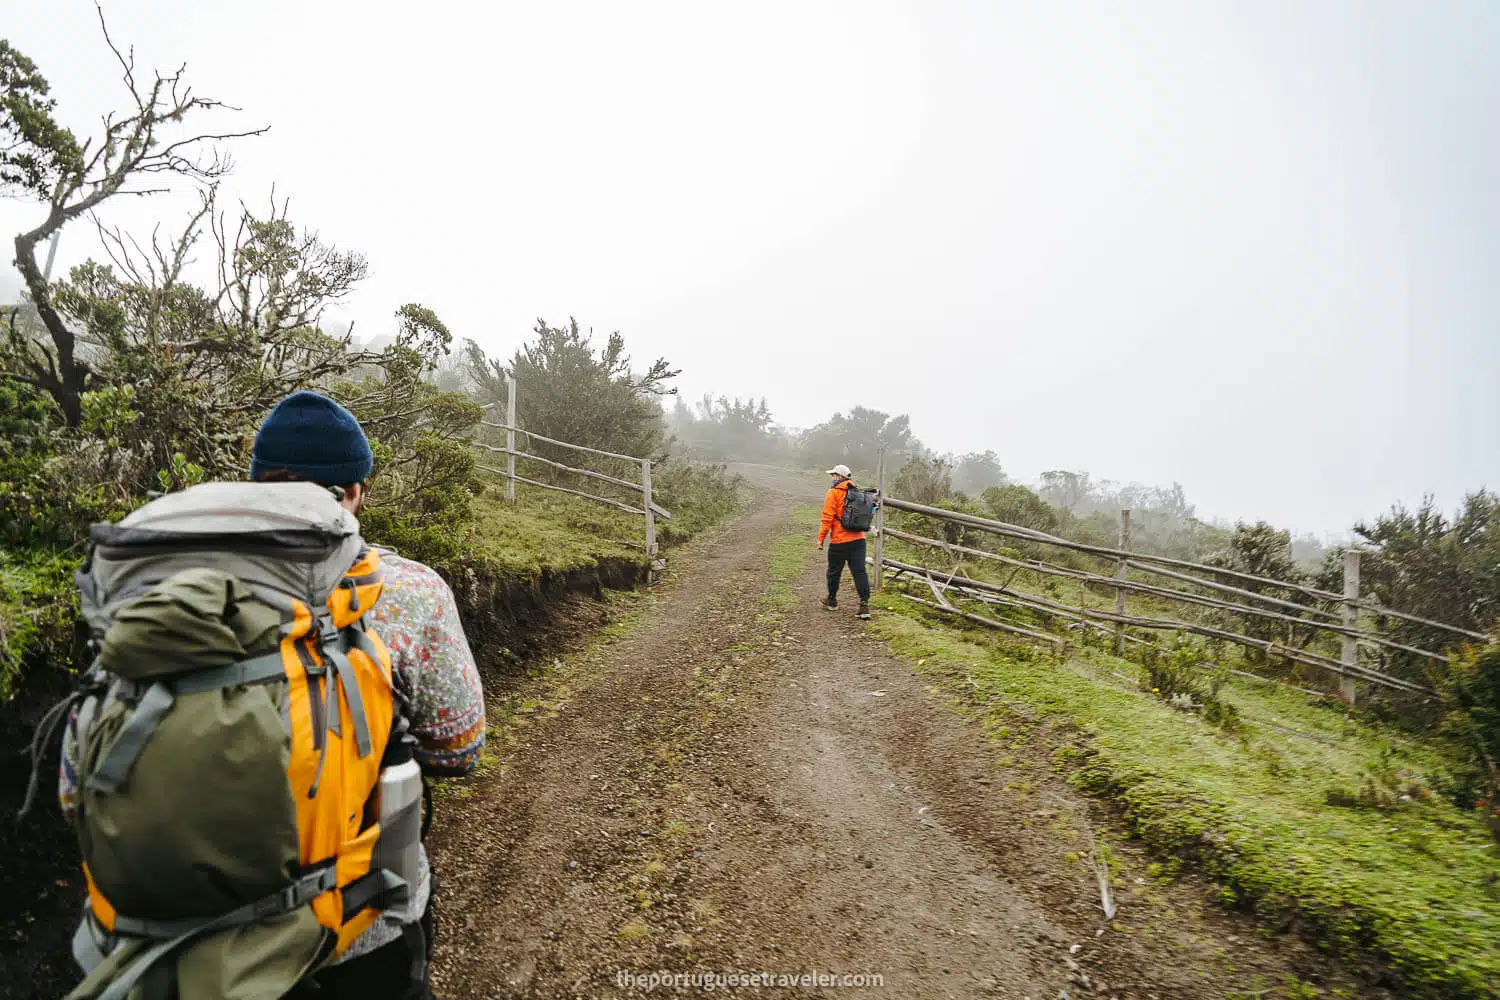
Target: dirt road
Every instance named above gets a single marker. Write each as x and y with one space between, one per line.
736 781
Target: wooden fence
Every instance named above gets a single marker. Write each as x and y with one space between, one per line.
1306 618
648 509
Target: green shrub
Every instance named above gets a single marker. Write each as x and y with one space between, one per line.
1015 504
38 605
1176 676
1472 687
1173 673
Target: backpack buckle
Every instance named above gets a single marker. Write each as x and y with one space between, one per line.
328 632
281 902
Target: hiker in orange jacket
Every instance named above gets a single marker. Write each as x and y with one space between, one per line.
845 547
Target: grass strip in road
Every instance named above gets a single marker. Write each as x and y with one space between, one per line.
790 555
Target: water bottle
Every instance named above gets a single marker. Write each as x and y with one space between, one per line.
399 847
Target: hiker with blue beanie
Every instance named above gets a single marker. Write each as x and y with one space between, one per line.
309 437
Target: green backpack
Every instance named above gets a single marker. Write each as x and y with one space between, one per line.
231 737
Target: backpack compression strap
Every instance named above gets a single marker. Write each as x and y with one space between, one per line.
334 644
157 700
173 934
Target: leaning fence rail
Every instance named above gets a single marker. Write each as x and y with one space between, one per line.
649 509
1149 563
1080 616
1343 622
1270 646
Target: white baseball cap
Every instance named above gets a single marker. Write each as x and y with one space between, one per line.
840 470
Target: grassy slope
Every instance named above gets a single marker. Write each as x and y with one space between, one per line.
543 532
558 533
1416 888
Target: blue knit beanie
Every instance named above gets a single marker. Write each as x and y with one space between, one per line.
313 438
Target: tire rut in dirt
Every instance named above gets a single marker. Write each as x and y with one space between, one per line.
539 864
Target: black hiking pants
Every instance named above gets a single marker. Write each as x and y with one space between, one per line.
383 974
852 554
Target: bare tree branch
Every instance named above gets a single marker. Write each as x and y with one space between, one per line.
129 148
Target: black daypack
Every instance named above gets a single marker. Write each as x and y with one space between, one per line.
859 508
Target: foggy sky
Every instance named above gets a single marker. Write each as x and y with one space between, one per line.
1251 247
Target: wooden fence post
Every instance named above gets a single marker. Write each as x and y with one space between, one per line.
650 516
1349 645
1121 572
880 522
510 439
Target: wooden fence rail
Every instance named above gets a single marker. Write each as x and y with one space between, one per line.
1272 647
561 444
648 509
1122 585
563 489
1343 622
1149 563
660 511
1081 617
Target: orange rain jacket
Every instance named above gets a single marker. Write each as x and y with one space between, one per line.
833 510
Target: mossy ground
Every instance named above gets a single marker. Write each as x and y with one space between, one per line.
1416 888
556 533
552 534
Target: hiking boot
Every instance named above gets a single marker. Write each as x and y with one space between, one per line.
864 611
830 603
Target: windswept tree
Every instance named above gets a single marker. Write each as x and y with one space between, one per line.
1442 567
724 429
1264 551
1065 490
924 480
35 151
855 440
1162 520
572 390
1015 504
206 363
976 472
928 479
425 472
139 151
